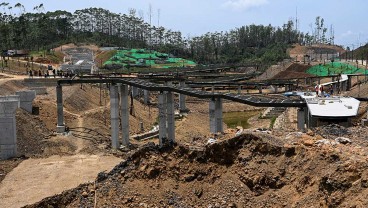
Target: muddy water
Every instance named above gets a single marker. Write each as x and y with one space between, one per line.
234 119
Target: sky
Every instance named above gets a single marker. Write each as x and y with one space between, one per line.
196 17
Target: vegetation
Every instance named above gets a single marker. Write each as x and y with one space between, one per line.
234 119
42 30
272 122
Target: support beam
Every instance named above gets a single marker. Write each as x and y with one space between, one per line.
60 128
146 98
134 91
218 114
182 98
212 115
301 119
239 89
260 89
170 117
162 118
348 83
114 112
8 131
124 110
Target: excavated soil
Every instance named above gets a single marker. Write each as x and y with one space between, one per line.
294 71
251 170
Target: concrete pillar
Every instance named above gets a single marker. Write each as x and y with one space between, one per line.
8 131
170 117
212 115
301 119
182 106
114 112
134 91
146 97
162 118
60 128
26 99
213 89
348 83
218 114
260 89
239 89
124 110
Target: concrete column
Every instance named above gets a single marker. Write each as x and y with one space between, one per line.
162 118
348 83
218 114
60 128
212 115
26 99
124 110
182 97
134 91
276 88
146 97
334 86
239 89
8 131
114 112
301 119
213 89
260 89
170 117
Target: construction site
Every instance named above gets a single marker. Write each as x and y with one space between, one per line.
294 135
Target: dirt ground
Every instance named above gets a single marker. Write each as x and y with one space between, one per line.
35 178
252 170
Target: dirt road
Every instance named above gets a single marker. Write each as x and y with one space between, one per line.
35 179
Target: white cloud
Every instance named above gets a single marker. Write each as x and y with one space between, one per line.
243 4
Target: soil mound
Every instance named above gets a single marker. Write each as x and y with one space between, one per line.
251 170
294 71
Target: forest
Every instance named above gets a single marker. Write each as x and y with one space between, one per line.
44 30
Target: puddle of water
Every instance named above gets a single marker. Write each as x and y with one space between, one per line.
234 119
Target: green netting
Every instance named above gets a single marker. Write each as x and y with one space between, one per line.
142 57
335 68
150 62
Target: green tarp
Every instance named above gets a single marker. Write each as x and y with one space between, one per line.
334 69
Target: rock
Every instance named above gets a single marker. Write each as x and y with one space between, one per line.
143 205
308 142
232 205
323 141
84 194
143 168
343 140
310 132
189 177
198 192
